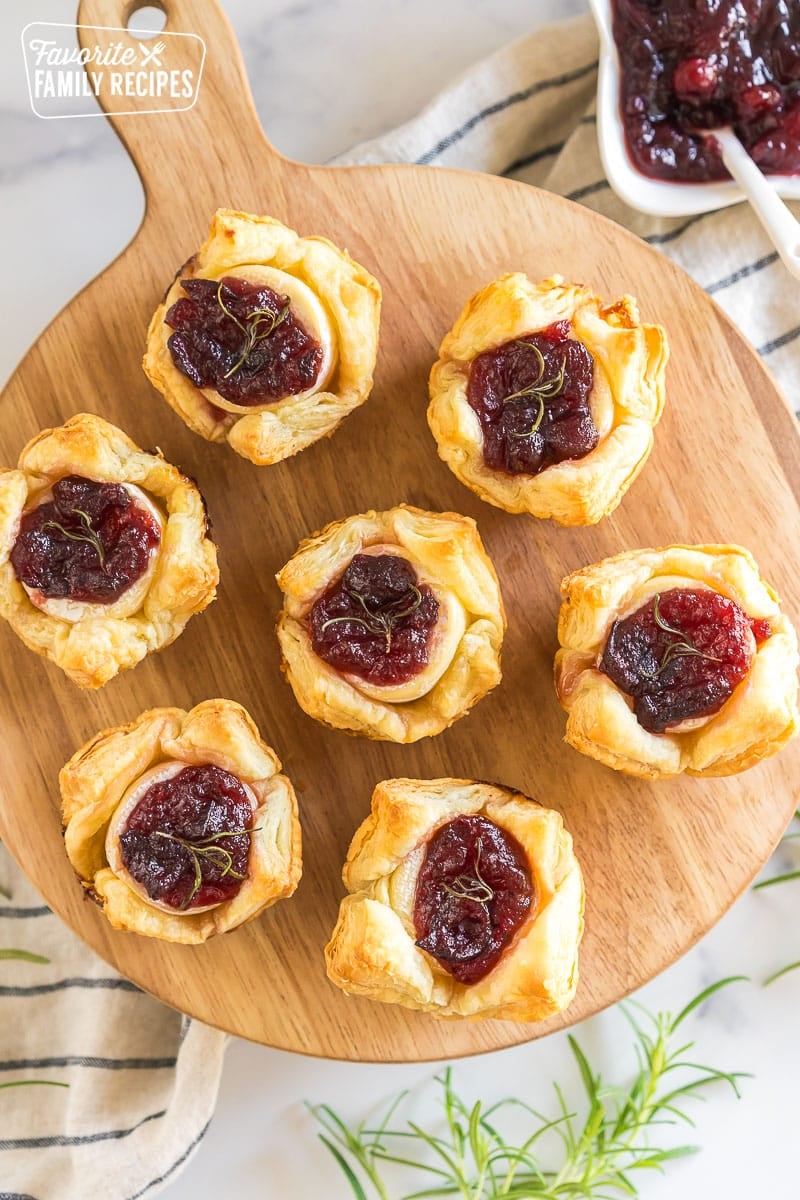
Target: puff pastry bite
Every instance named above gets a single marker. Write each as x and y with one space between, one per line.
676 659
265 339
392 623
180 824
104 550
544 399
466 900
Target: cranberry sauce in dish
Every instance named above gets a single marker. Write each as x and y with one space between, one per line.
531 396
473 893
242 340
700 64
681 655
186 842
376 621
90 542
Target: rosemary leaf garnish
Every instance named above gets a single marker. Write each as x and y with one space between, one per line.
471 887
256 326
27 956
206 849
24 956
590 1157
541 389
682 648
89 536
384 620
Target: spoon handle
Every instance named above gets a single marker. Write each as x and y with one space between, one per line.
782 227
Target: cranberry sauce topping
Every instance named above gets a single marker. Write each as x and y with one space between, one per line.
91 542
699 64
474 890
532 399
376 621
187 841
241 339
681 655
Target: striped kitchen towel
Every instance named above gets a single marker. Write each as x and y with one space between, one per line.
142 1080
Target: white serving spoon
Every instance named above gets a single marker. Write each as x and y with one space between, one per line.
781 226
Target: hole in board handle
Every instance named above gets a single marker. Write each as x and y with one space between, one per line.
146 21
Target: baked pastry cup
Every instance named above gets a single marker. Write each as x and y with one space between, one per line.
279 372
436 858
677 659
95 591
180 824
544 399
392 623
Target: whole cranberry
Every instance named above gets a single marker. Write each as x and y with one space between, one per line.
694 79
758 99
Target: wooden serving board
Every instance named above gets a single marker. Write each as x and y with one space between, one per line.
662 862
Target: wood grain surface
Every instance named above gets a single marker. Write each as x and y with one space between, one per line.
662 862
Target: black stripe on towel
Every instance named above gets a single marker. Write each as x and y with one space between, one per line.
77 1060
500 105
22 913
42 989
659 239
178 1163
588 189
742 273
83 1139
546 151
536 156
777 342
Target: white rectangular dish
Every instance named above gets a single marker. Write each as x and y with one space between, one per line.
658 197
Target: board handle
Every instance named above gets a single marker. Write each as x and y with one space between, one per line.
196 136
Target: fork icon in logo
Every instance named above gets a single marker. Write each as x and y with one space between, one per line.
152 55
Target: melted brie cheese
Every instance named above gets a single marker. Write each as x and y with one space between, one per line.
131 599
119 823
307 308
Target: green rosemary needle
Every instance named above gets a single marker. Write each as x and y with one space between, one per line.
90 535
256 326
561 1157
682 648
27 956
541 389
382 622
206 849
471 886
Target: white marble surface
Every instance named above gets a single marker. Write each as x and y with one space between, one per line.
71 200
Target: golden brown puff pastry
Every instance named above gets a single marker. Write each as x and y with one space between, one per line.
448 590
336 300
92 642
392 884
760 712
102 788
625 401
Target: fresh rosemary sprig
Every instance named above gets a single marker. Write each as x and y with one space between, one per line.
562 1157
471 887
257 326
382 622
206 848
785 877
682 648
541 389
27 956
90 536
